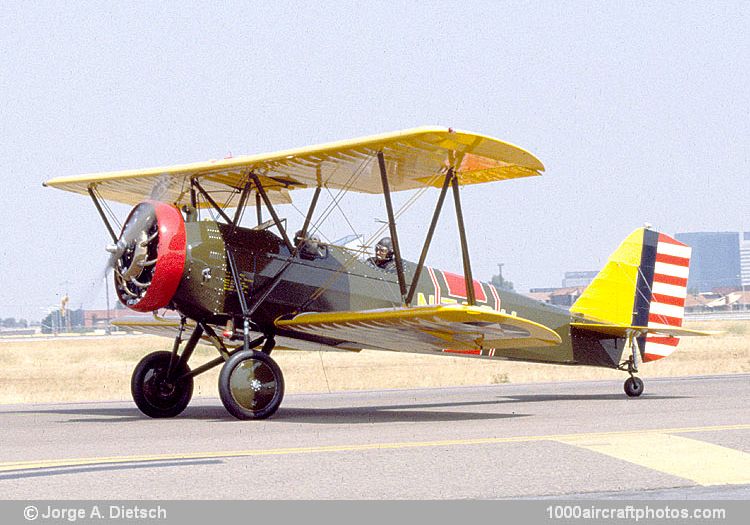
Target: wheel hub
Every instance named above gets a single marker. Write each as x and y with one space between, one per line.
165 388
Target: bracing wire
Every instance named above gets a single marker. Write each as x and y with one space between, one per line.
342 191
305 216
110 213
353 257
354 231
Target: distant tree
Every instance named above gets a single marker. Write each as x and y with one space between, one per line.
23 323
499 281
9 322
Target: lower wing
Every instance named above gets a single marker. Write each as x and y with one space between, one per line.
424 328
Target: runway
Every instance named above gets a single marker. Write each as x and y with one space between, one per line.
684 438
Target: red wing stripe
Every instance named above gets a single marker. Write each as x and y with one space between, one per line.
463 352
671 259
669 240
668 279
664 319
669 341
667 299
652 357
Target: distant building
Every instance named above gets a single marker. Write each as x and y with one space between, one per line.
578 278
710 302
745 259
573 285
564 297
98 318
715 261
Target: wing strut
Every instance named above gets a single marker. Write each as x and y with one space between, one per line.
310 210
276 219
101 213
430 233
210 200
464 246
241 205
392 226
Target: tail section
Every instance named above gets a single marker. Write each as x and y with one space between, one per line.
643 284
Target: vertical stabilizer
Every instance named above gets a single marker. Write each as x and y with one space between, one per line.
644 283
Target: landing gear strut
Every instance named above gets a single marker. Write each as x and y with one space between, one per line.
633 385
251 385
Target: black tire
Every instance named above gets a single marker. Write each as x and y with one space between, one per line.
251 385
633 386
153 395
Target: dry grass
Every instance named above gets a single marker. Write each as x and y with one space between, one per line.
99 369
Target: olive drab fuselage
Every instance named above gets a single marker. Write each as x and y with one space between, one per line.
332 278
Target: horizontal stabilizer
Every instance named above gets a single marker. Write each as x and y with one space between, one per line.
424 328
625 331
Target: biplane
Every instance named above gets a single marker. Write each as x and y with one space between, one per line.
248 289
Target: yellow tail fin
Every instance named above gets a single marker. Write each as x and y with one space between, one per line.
644 283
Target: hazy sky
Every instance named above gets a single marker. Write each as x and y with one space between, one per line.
639 111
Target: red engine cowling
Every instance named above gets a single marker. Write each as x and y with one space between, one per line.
150 256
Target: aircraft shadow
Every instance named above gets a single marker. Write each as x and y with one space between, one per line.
540 398
393 413
334 416
390 414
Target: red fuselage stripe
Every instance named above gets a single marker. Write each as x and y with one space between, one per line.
457 287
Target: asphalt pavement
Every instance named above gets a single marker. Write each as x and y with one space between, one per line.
684 438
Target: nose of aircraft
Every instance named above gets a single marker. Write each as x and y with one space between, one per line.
149 257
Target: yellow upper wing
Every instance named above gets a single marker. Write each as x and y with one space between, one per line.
425 328
414 158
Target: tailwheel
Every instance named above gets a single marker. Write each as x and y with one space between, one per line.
157 395
633 386
251 385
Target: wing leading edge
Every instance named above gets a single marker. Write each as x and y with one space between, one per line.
424 329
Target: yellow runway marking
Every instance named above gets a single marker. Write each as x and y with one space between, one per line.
634 438
701 462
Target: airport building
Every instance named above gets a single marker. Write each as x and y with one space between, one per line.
745 260
720 260
573 279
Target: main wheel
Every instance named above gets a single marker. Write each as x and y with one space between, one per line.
251 385
153 394
633 386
